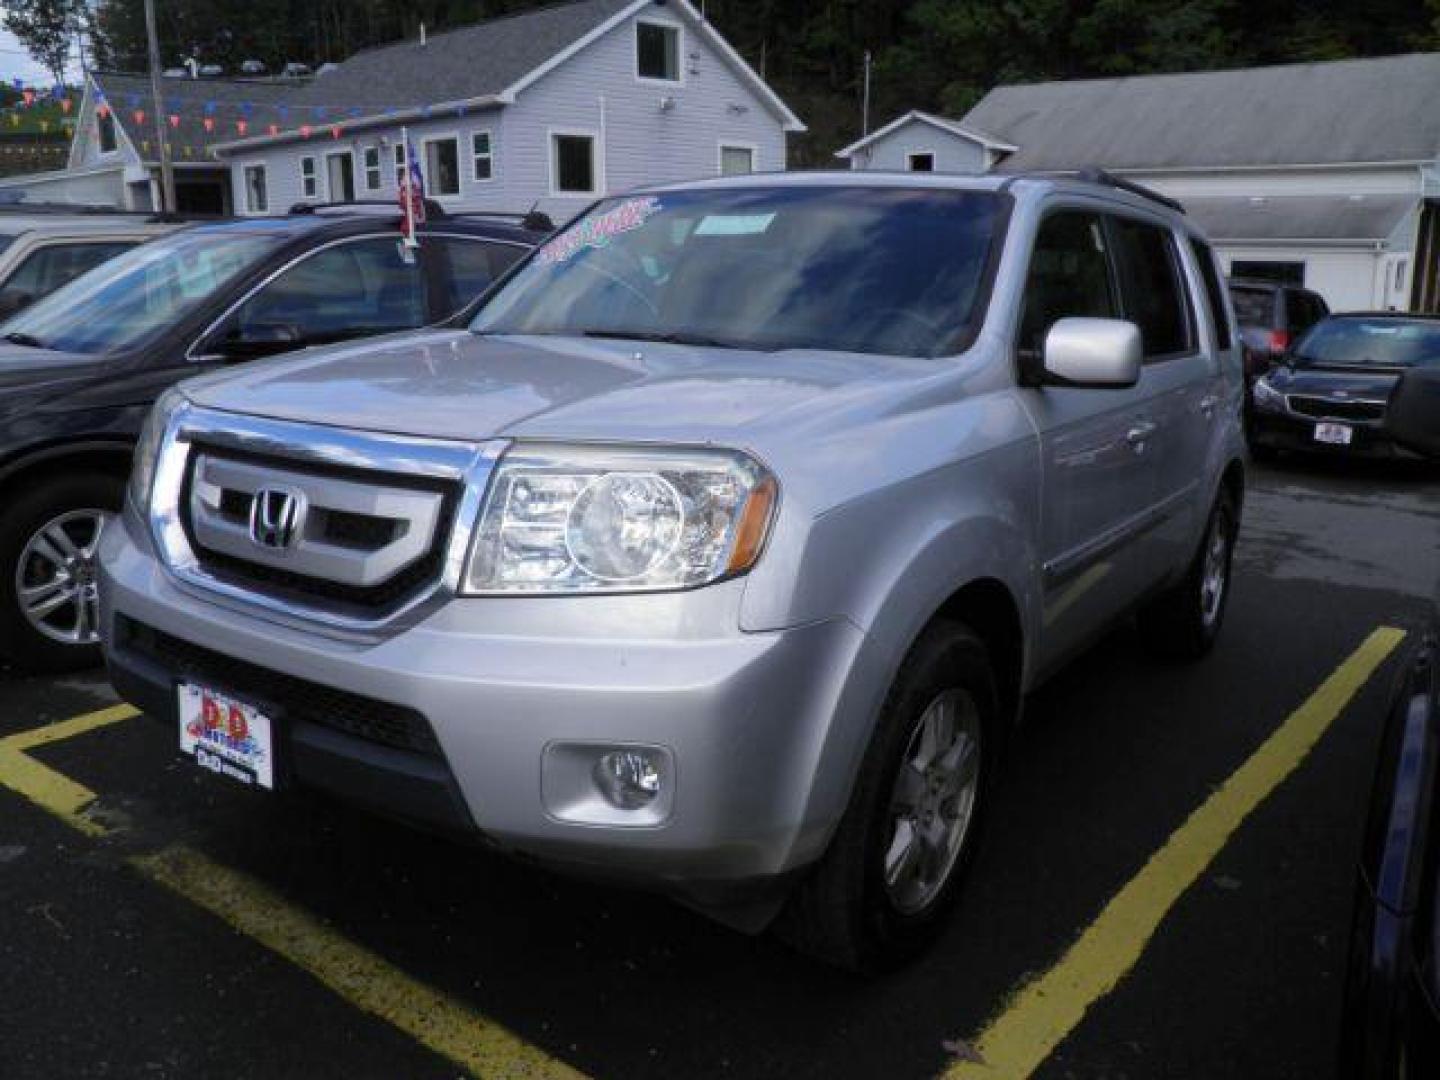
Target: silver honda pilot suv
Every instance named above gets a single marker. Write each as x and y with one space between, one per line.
718 548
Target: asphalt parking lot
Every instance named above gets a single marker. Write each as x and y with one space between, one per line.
178 926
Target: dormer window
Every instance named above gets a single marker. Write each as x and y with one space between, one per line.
657 51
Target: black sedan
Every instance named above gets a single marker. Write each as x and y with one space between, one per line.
1330 391
1391 1025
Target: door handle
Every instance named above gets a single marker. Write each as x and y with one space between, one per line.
1137 436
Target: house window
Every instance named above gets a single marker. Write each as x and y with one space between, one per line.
482 156
1286 273
922 162
105 131
657 51
735 160
309 181
572 164
442 167
371 156
257 201
399 165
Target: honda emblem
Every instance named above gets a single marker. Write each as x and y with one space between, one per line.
276 517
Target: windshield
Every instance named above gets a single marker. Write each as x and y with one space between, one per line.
1370 343
138 293
894 271
1254 307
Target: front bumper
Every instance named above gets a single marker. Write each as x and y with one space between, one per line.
1286 431
747 719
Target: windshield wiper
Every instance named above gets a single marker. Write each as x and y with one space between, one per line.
667 337
28 340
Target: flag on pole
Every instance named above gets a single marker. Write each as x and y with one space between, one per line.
412 192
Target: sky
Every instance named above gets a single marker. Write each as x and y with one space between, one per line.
15 62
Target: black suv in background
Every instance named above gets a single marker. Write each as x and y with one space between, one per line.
1272 317
80 369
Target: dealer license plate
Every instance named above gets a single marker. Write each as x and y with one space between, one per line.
226 736
1335 434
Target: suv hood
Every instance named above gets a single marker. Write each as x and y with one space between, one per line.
1334 382
458 385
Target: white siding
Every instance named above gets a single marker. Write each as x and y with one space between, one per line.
953 154
642 143
1349 280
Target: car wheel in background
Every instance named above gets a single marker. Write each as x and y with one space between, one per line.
49 541
1183 622
894 866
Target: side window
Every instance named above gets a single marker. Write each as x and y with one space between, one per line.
1151 290
1303 311
1214 293
470 266
49 267
351 290
1069 276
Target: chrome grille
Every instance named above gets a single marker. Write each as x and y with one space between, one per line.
1332 409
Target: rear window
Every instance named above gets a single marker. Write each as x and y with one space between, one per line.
1151 292
1254 308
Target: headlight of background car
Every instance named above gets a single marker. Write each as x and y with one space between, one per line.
1267 397
147 450
564 520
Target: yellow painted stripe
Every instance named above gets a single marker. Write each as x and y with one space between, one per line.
360 977
42 785
1046 1010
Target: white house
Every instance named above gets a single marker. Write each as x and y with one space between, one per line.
1324 174
554 106
920 142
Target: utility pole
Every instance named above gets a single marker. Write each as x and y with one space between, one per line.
167 169
865 101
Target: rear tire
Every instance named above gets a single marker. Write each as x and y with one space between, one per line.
893 870
1183 622
48 537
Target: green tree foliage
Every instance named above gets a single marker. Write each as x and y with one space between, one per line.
939 55
47 29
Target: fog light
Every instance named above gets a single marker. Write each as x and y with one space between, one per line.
629 779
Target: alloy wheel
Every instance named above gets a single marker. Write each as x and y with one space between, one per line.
56 580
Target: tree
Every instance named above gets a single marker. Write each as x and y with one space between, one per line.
47 29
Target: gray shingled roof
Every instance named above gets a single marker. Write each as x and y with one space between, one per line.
470 62
1300 217
1376 110
225 101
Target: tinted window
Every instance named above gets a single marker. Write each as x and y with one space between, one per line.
1069 276
141 292
895 271
1254 308
1304 311
471 266
1151 293
1351 342
350 290
49 267
1214 293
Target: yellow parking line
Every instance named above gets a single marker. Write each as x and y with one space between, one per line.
357 975
1046 1010
42 785
432 1019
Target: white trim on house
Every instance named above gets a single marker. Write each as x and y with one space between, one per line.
249 210
489 155
597 161
923 152
668 24
735 144
978 137
430 190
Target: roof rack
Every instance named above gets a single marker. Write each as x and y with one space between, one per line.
1093 175
532 219
432 208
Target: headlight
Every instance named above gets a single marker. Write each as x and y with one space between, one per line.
579 519
1267 397
147 450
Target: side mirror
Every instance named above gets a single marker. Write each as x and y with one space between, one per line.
247 342
1099 353
1412 416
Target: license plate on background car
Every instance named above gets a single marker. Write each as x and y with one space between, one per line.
1335 434
226 736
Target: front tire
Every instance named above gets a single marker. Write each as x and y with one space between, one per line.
49 540
893 869
1183 622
